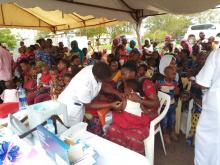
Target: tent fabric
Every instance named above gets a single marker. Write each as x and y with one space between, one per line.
128 10
14 16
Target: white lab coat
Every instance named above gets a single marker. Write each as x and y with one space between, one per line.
207 141
82 89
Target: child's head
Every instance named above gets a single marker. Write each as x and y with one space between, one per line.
10 84
132 85
170 73
151 62
54 73
75 60
45 69
142 69
62 65
135 55
114 65
67 78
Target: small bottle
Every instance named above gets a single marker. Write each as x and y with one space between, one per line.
50 126
23 105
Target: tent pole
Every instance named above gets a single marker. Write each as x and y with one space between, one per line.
137 30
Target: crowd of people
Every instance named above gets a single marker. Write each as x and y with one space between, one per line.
124 82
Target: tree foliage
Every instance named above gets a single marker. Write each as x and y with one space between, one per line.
7 37
158 26
122 29
92 32
113 31
209 16
42 34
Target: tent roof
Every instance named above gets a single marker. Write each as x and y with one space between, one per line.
129 10
13 15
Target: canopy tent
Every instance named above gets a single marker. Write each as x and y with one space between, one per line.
14 16
130 10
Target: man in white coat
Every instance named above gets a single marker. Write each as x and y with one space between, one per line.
83 88
207 141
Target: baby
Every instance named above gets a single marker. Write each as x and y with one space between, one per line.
10 94
132 86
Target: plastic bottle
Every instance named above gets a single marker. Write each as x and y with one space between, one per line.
23 105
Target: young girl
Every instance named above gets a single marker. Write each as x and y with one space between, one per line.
43 87
169 85
45 77
62 67
66 79
56 84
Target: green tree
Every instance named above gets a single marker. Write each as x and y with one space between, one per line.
157 35
121 29
7 37
96 32
209 16
42 34
170 24
92 32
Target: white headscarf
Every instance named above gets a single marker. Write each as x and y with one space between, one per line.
165 62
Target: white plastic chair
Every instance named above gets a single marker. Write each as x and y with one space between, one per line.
155 127
189 118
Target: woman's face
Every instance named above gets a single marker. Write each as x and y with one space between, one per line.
24 67
127 74
141 72
114 66
173 63
184 45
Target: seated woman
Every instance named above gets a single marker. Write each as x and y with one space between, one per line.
148 92
133 133
131 126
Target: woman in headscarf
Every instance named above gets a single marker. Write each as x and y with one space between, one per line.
76 51
168 60
147 49
132 45
115 44
185 45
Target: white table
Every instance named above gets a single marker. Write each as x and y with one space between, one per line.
114 154
109 153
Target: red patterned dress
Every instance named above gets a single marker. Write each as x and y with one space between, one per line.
130 130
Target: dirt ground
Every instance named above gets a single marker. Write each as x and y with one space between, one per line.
178 153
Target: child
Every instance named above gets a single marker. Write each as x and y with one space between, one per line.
56 84
142 69
169 85
43 87
62 67
10 94
67 78
45 77
130 127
